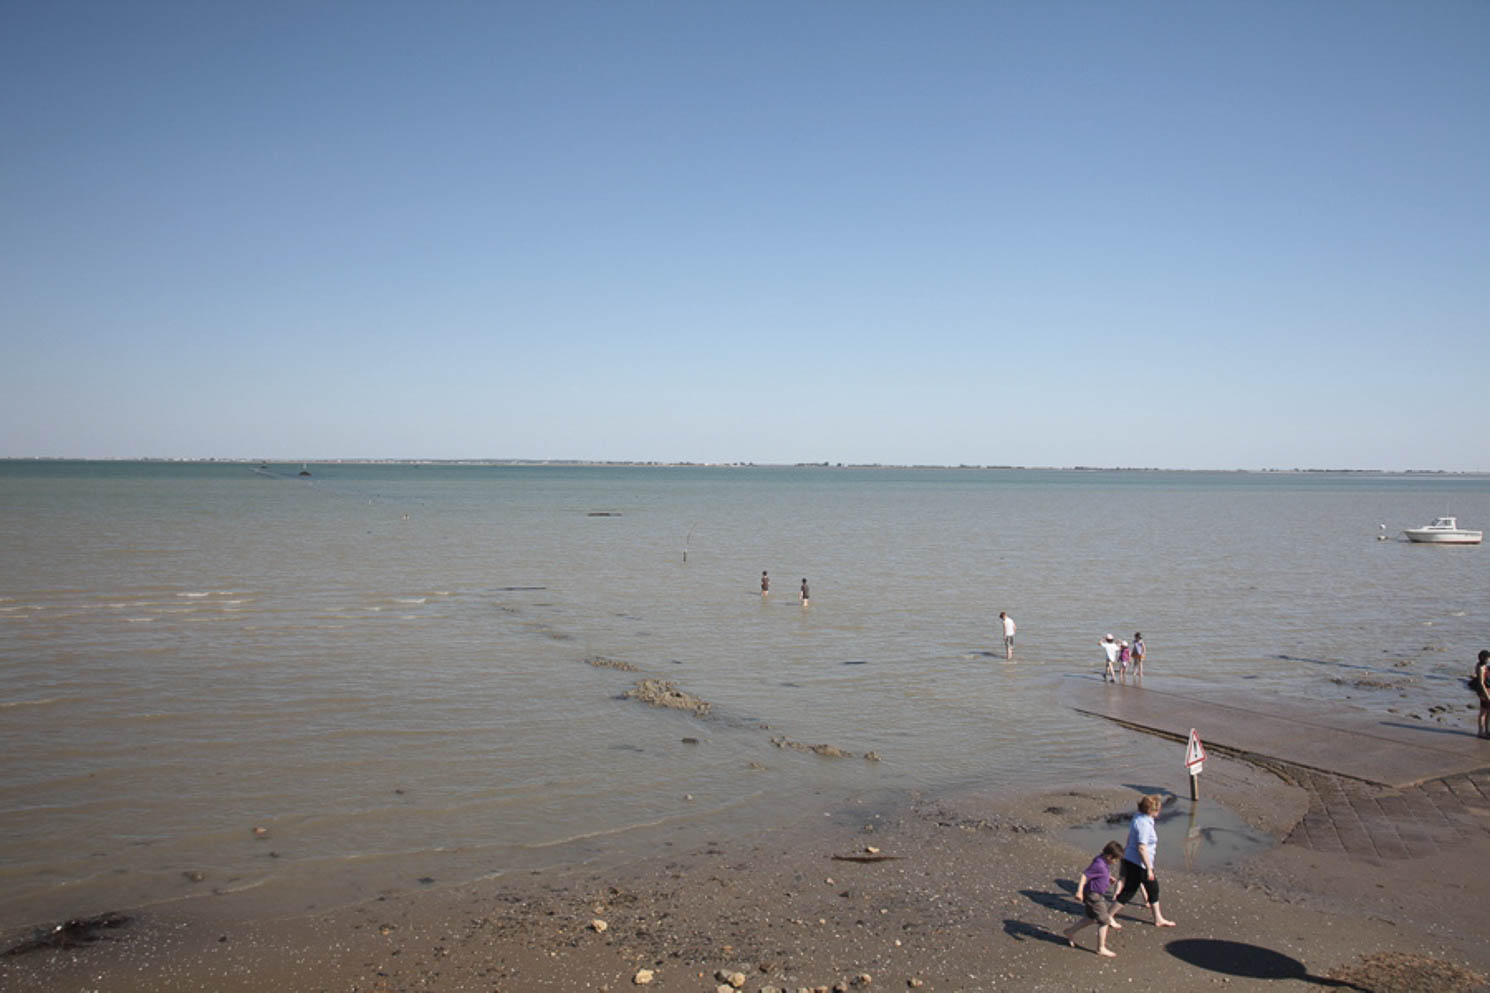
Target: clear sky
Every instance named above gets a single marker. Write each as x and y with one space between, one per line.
1194 235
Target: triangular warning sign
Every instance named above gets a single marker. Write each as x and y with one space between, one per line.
1194 753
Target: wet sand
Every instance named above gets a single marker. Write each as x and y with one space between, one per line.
964 890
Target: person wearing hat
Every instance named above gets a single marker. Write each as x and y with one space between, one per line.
1110 648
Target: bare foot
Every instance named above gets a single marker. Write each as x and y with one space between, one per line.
1115 926
1108 952
1164 923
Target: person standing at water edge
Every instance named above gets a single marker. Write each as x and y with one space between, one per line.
1138 859
1125 656
804 591
1138 653
1110 648
1482 690
1008 634
765 583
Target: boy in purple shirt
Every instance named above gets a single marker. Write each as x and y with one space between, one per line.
1092 892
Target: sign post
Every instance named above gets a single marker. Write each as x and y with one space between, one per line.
1194 761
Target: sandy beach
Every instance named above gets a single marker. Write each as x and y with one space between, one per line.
964 890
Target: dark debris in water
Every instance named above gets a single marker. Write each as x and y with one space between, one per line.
70 934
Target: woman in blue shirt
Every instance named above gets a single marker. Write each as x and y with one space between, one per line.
1138 858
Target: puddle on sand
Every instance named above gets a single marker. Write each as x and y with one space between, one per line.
1198 835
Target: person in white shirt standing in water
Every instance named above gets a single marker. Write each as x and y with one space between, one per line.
1110 649
1008 634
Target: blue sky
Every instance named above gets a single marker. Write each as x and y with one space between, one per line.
1192 235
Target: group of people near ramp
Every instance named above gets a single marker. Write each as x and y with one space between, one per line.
1121 655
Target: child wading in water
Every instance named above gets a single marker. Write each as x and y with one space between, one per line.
1092 892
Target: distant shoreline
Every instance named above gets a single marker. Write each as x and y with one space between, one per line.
837 466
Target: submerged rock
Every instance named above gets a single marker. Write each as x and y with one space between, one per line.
601 662
831 751
661 693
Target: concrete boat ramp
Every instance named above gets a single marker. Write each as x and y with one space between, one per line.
1380 788
1392 751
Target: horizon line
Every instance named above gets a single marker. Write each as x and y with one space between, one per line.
740 464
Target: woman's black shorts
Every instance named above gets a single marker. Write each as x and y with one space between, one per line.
1135 876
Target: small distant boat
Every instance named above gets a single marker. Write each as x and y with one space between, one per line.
1444 531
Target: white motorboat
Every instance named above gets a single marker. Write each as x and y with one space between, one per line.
1444 531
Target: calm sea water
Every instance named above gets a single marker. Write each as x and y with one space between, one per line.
385 665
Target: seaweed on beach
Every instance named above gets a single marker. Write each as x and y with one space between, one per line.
69 934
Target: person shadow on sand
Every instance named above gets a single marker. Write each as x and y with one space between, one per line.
1063 902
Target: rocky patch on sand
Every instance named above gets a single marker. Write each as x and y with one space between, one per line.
1395 972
